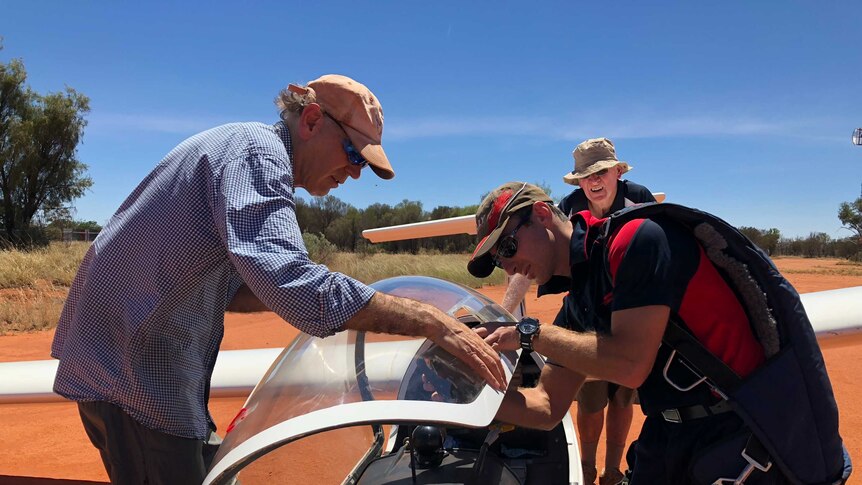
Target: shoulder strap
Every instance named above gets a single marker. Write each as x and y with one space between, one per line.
676 336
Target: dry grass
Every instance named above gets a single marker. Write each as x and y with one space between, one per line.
818 266
33 285
25 310
374 267
55 265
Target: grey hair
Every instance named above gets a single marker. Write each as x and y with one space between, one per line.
290 101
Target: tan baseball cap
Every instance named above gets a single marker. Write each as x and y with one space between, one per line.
358 111
493 215
592 156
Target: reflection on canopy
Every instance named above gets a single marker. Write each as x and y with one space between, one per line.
358 377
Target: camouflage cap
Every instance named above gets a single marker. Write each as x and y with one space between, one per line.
492 217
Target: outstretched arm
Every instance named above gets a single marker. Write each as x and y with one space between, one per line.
626 356
543 406
402 316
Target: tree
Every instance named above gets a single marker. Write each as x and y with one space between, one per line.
344 232
850 215
765 239
407 212
39 136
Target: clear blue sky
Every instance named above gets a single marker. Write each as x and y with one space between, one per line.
744 109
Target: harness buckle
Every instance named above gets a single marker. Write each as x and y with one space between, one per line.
672 415
675 385
753 464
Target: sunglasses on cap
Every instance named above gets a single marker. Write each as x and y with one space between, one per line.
507 246
353 155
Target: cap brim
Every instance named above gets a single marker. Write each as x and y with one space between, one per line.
481 267
481 264
372 151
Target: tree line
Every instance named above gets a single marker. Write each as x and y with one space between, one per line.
342 224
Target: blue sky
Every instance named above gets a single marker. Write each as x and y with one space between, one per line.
743 109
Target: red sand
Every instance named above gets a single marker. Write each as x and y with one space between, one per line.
45 443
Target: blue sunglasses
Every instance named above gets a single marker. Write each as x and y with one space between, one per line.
353 154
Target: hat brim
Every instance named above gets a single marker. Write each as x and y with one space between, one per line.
481 264
372 151
574 178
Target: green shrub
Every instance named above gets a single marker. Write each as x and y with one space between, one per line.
320 250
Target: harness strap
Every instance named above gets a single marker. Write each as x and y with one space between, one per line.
698 411
710 366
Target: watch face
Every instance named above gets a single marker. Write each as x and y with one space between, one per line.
528 326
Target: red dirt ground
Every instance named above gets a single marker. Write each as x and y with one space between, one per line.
45 444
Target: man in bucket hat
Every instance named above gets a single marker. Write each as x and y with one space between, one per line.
626 282
598 173
213 227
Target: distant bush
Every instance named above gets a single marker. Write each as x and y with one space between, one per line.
320 250
32 238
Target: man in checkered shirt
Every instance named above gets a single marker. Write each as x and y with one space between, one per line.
213 227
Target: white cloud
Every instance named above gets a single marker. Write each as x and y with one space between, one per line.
613 126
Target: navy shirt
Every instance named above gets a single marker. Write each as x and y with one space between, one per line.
144 318
628 194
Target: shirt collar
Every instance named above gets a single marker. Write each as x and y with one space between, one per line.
283 133
583 232
585 229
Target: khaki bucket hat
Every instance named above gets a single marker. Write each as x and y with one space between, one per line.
592 156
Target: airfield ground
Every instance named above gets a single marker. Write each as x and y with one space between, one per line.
44 444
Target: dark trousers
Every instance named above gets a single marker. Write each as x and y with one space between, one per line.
135 454
666 453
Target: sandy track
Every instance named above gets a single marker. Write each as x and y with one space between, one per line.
45 443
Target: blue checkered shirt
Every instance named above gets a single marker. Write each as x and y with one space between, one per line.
144 317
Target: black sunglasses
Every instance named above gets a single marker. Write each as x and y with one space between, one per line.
507 246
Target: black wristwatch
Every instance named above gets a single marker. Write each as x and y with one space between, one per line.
528 328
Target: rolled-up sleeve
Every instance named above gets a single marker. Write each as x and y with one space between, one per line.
255 213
